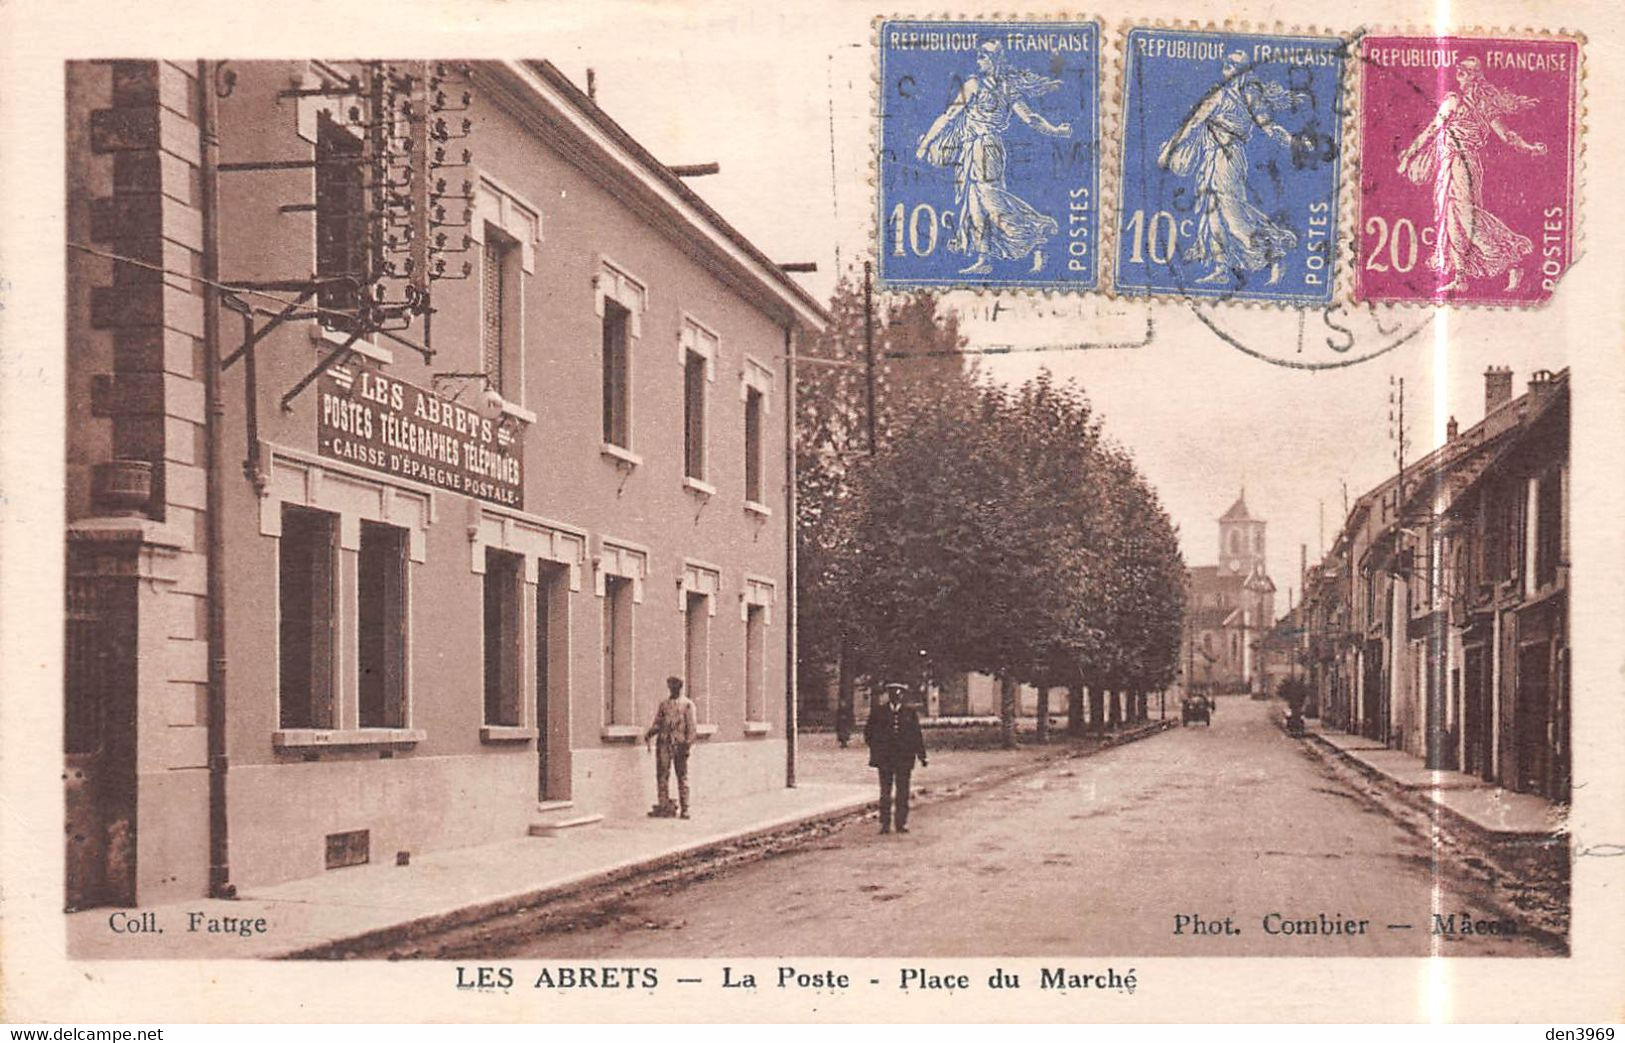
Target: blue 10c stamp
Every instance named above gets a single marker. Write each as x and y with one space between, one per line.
1231 154
989 154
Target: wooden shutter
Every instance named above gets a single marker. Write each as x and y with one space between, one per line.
492 306
753 445
381 625
694 415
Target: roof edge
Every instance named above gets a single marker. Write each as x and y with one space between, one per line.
545 79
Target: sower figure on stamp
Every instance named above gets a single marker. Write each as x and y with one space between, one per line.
673 732
894 738
1468 239
1233 237
969 137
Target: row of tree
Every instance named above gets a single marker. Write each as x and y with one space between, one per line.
989 529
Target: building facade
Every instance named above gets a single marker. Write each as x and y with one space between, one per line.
1438 622
1229 609
498 444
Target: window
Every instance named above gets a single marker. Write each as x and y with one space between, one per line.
617 390
381 625
343 545
1548 527
617 650
503 646
756 392
694 415
305 568
341 222
1501 539
753 445
506 230
697 351
620 301
499 312
697 654
755 663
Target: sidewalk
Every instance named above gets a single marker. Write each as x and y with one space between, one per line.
1482 809
378 903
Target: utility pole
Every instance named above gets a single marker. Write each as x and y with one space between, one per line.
869 345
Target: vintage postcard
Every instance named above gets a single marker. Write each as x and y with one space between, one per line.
721 512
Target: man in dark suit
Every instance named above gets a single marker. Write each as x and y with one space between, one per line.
893 735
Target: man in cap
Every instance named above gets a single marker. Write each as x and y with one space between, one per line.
673 731
893 735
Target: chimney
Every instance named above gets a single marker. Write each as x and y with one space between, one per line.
1451 429
1497 388
1540 381
592 85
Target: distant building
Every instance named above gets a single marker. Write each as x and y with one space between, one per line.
1438 622
1229 609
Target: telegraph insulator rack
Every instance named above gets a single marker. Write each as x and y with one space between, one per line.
400 177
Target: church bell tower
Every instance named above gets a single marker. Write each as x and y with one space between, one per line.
1241 540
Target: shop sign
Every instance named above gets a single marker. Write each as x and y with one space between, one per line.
399 429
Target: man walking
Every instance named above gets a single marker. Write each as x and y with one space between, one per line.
894 738
673 731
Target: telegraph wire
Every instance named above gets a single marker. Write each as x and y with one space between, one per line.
237 291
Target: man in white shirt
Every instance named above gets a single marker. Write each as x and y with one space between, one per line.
673 732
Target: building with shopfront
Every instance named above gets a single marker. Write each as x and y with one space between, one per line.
417 431
1438 622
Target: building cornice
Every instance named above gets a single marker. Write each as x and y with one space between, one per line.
543 99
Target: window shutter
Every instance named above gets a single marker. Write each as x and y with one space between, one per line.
491 310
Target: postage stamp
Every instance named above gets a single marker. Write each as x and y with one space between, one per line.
989 154
1231 157
1467 168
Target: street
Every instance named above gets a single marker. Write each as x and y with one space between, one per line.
1229 840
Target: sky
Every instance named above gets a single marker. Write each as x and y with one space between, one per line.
781 97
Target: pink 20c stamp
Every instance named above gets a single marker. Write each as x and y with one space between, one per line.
1466 188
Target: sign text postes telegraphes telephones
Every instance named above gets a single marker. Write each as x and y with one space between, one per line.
378 422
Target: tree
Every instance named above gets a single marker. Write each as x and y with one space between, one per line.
979 528
1052 440
992 530
1143 589
916 351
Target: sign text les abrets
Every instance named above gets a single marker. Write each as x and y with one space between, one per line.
402 430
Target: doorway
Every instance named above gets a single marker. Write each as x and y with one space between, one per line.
552 682
1475 713
1532 740
697 654
99 742
1373 703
